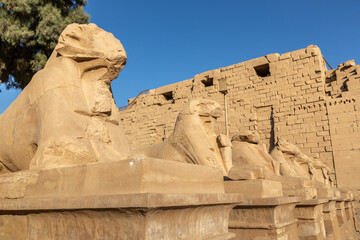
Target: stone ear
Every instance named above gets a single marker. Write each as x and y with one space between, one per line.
78 54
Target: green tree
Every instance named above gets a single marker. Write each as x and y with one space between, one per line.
29 30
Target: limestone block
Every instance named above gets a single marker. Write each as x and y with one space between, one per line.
303 188
125 216
311 219
264 218
324 192
165 89
258 188
331 221
120 177
141 198
246 172
345 223
350 63
313 50
273 57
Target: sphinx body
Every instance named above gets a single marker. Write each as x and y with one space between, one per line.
297 164
285 162
67 115
249 153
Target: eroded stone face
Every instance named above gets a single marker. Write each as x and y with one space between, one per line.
67 114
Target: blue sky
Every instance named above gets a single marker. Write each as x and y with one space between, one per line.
169 41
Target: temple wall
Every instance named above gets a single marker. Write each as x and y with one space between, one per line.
284 95
343 104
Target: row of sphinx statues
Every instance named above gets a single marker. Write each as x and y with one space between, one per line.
67 116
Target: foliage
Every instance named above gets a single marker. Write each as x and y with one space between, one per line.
29 30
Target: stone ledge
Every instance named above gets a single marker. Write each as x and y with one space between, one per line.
313 202
128 176
139 200
274 201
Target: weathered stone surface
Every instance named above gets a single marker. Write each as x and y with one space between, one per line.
311 219
298 99
246 172
194 140
124 216
67 115
331 221
128 199
67 172
258 188
249 154
294 163
118 177
264 218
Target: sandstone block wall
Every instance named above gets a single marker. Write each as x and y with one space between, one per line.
291 95
343 104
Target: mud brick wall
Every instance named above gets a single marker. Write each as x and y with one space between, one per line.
287 95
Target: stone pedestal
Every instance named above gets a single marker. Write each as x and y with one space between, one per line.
331 221
353 209
346 225
340 212
299 187
129 199
140 175
311 219
124 216
325 192
350 213
264 218
256 188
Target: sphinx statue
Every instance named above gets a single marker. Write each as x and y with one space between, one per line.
248 153
297 164
299 174
284 160
193 139
67 114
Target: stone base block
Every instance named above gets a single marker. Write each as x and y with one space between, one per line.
299 187
283 233
265 218
258 188
351 215
305 193
347 229
331 221
132 216
141 198
246 173
139 175
325 192
311 219
345 194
